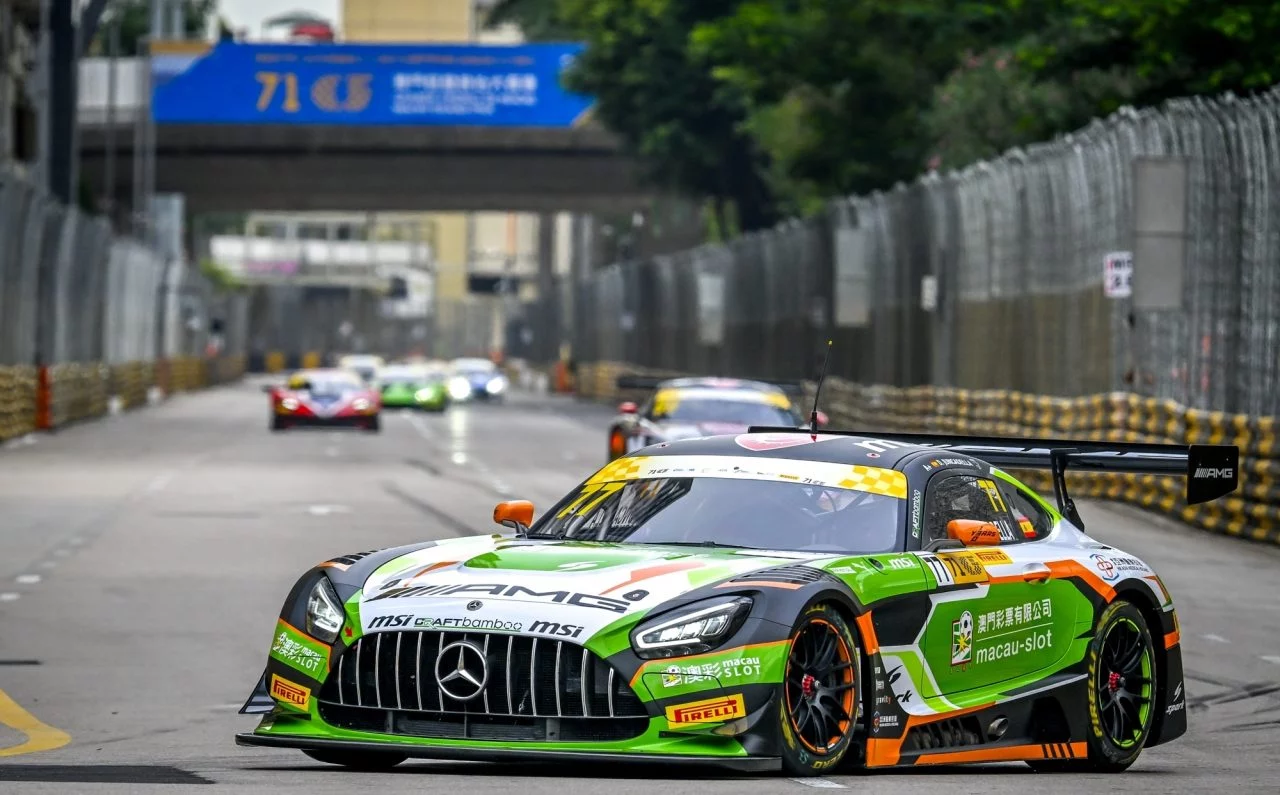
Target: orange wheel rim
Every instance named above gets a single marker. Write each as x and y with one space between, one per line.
820 686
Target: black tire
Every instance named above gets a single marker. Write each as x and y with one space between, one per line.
1122 683
277 424
818 700
374 426
358 760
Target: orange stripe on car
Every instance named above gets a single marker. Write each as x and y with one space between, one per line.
867 628
1010 753
1064 569
654 571
1172 639
790 586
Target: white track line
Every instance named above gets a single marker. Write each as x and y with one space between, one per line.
820 783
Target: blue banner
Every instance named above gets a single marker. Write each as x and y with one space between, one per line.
369 84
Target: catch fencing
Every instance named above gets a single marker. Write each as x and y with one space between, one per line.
86 316
989 283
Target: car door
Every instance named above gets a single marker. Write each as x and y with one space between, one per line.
993 613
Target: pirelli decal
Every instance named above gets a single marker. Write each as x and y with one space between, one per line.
289 693
712 710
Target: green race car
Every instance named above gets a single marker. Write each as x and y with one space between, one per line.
778 599
415 387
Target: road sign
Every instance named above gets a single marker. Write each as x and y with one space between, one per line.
1117 274
369 84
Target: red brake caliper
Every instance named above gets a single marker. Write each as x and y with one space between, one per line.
1114 681
808 685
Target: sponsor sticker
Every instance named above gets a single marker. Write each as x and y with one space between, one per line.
962 639
711 710
1177 703
298 651
879 721
1028 529
992 557
726 671
995 635
760 442
289 693
1113 567
955 568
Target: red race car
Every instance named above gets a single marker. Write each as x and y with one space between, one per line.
329 398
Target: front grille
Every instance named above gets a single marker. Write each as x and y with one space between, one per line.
536 690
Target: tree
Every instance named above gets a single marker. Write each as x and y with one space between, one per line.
1174 47
134 19
836 90
660 96
539 20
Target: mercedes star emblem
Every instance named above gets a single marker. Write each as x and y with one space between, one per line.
475 604
461 670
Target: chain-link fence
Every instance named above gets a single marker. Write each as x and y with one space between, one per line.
989 278
86 316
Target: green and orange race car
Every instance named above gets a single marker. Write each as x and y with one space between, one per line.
776 599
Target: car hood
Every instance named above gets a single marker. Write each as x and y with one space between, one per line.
507 584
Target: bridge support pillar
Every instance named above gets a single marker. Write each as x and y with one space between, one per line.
546 344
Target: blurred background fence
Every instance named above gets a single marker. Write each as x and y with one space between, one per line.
86 316
989 278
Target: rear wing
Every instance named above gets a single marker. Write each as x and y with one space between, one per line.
649 383
1212 470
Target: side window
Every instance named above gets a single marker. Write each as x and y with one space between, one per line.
962 496
1032 521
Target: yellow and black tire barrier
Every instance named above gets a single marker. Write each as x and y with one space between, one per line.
17 401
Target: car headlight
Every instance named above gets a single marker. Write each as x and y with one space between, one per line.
361 404
422 395
694 629
324 613
495 385
289 404
459 389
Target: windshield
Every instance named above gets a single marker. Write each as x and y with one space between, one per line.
732 511
327 384
737 412
410 379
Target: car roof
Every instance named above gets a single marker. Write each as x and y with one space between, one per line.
851 450
706 382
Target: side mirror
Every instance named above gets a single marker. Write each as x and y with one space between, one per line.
627 408
973 533
516 514
823 419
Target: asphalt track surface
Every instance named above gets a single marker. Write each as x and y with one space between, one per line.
143 560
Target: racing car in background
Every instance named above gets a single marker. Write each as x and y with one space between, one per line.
477 379
364 365
682 408
413 386
769 600
326 398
